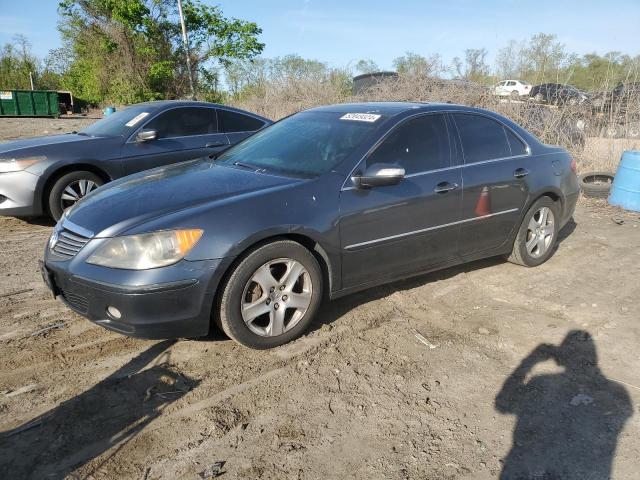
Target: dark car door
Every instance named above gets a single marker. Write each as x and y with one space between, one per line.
494 180
391 230
183 133
239 126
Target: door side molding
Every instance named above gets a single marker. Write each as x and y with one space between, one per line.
423 230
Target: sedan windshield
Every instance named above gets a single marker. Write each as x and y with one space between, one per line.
307 144
120 123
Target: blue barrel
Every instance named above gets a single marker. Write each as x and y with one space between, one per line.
625 191
108 111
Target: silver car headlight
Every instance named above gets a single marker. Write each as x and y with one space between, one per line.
145 251
17 164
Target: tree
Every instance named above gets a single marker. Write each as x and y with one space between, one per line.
241 75
366 66
244 77
17 63
544 57
510 60
294 67
457 67
125 51
475 68
413 64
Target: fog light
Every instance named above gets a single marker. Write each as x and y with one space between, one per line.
114 312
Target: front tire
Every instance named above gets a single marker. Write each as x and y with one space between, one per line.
271 296
537 235
70 188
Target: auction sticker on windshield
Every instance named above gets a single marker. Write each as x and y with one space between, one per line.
361 117
136 119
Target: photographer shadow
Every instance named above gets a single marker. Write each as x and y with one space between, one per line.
567 423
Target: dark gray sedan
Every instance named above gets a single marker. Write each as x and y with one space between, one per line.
46 175
323 203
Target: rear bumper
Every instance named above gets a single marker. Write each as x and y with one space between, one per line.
569 207
18 193
180 308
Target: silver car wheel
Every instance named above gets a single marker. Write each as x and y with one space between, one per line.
276 297
75 191
540 232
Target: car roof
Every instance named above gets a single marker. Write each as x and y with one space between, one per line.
391 108
383 108
160 104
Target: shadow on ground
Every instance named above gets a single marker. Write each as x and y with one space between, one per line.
337 308
110 413
42 221
567 423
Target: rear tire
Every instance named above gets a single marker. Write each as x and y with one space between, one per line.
67 187
537 236
260 306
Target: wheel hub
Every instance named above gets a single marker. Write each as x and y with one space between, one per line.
276 297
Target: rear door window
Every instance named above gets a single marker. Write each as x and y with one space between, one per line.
418 145
184 122
238 122
482 138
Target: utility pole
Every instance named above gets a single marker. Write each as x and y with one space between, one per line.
185 40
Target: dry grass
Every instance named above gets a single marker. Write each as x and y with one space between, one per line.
553 125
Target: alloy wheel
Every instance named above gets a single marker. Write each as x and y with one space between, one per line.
540 232
75 191
276 297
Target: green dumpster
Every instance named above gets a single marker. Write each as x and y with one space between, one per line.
29 103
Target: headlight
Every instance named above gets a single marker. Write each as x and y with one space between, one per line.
581 124
16 164
148 250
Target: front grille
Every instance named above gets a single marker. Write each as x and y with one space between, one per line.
78 302
69 244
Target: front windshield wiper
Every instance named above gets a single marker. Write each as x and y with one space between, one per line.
247 165
81 133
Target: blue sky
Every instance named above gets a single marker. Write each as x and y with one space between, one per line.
343 31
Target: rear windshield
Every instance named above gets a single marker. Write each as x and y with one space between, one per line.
306 144
120 123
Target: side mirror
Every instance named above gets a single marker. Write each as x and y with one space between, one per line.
379 175
146 135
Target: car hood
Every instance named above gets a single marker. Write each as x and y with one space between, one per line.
132 200
42 145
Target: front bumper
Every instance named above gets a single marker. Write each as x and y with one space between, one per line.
18 193
168 302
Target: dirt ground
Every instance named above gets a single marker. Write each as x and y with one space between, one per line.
460 374
13 128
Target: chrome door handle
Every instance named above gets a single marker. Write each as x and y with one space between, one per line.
521 173
445 187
